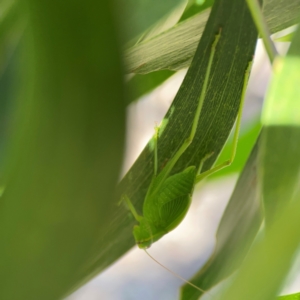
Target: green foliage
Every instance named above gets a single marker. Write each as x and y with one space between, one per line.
175 48
63 101
290 297
62 163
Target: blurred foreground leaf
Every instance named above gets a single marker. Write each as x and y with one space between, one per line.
139 15
63 161
290 297
268 262
281 117
12 24
166 22
264 270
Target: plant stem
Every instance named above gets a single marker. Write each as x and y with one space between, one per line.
261 25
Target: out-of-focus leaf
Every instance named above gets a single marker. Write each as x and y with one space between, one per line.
281 117
139 15
234 51
12 24
264 270
285 38
6 105
66 150
175 48
238 227
166 22
195 8
290 297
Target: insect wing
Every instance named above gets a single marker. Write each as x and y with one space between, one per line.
174 198
178 185
173 212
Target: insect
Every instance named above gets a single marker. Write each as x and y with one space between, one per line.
169 197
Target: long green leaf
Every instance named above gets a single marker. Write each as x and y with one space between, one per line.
235 50
175 48
281 117
172 50
65 155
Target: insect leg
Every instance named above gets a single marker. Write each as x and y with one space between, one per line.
190 138
131 207
206 157
236 132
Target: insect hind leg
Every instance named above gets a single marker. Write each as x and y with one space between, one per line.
236 133
129 204
206 157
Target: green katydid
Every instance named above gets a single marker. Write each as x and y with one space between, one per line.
169 197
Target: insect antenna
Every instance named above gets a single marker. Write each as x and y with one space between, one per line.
175 274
